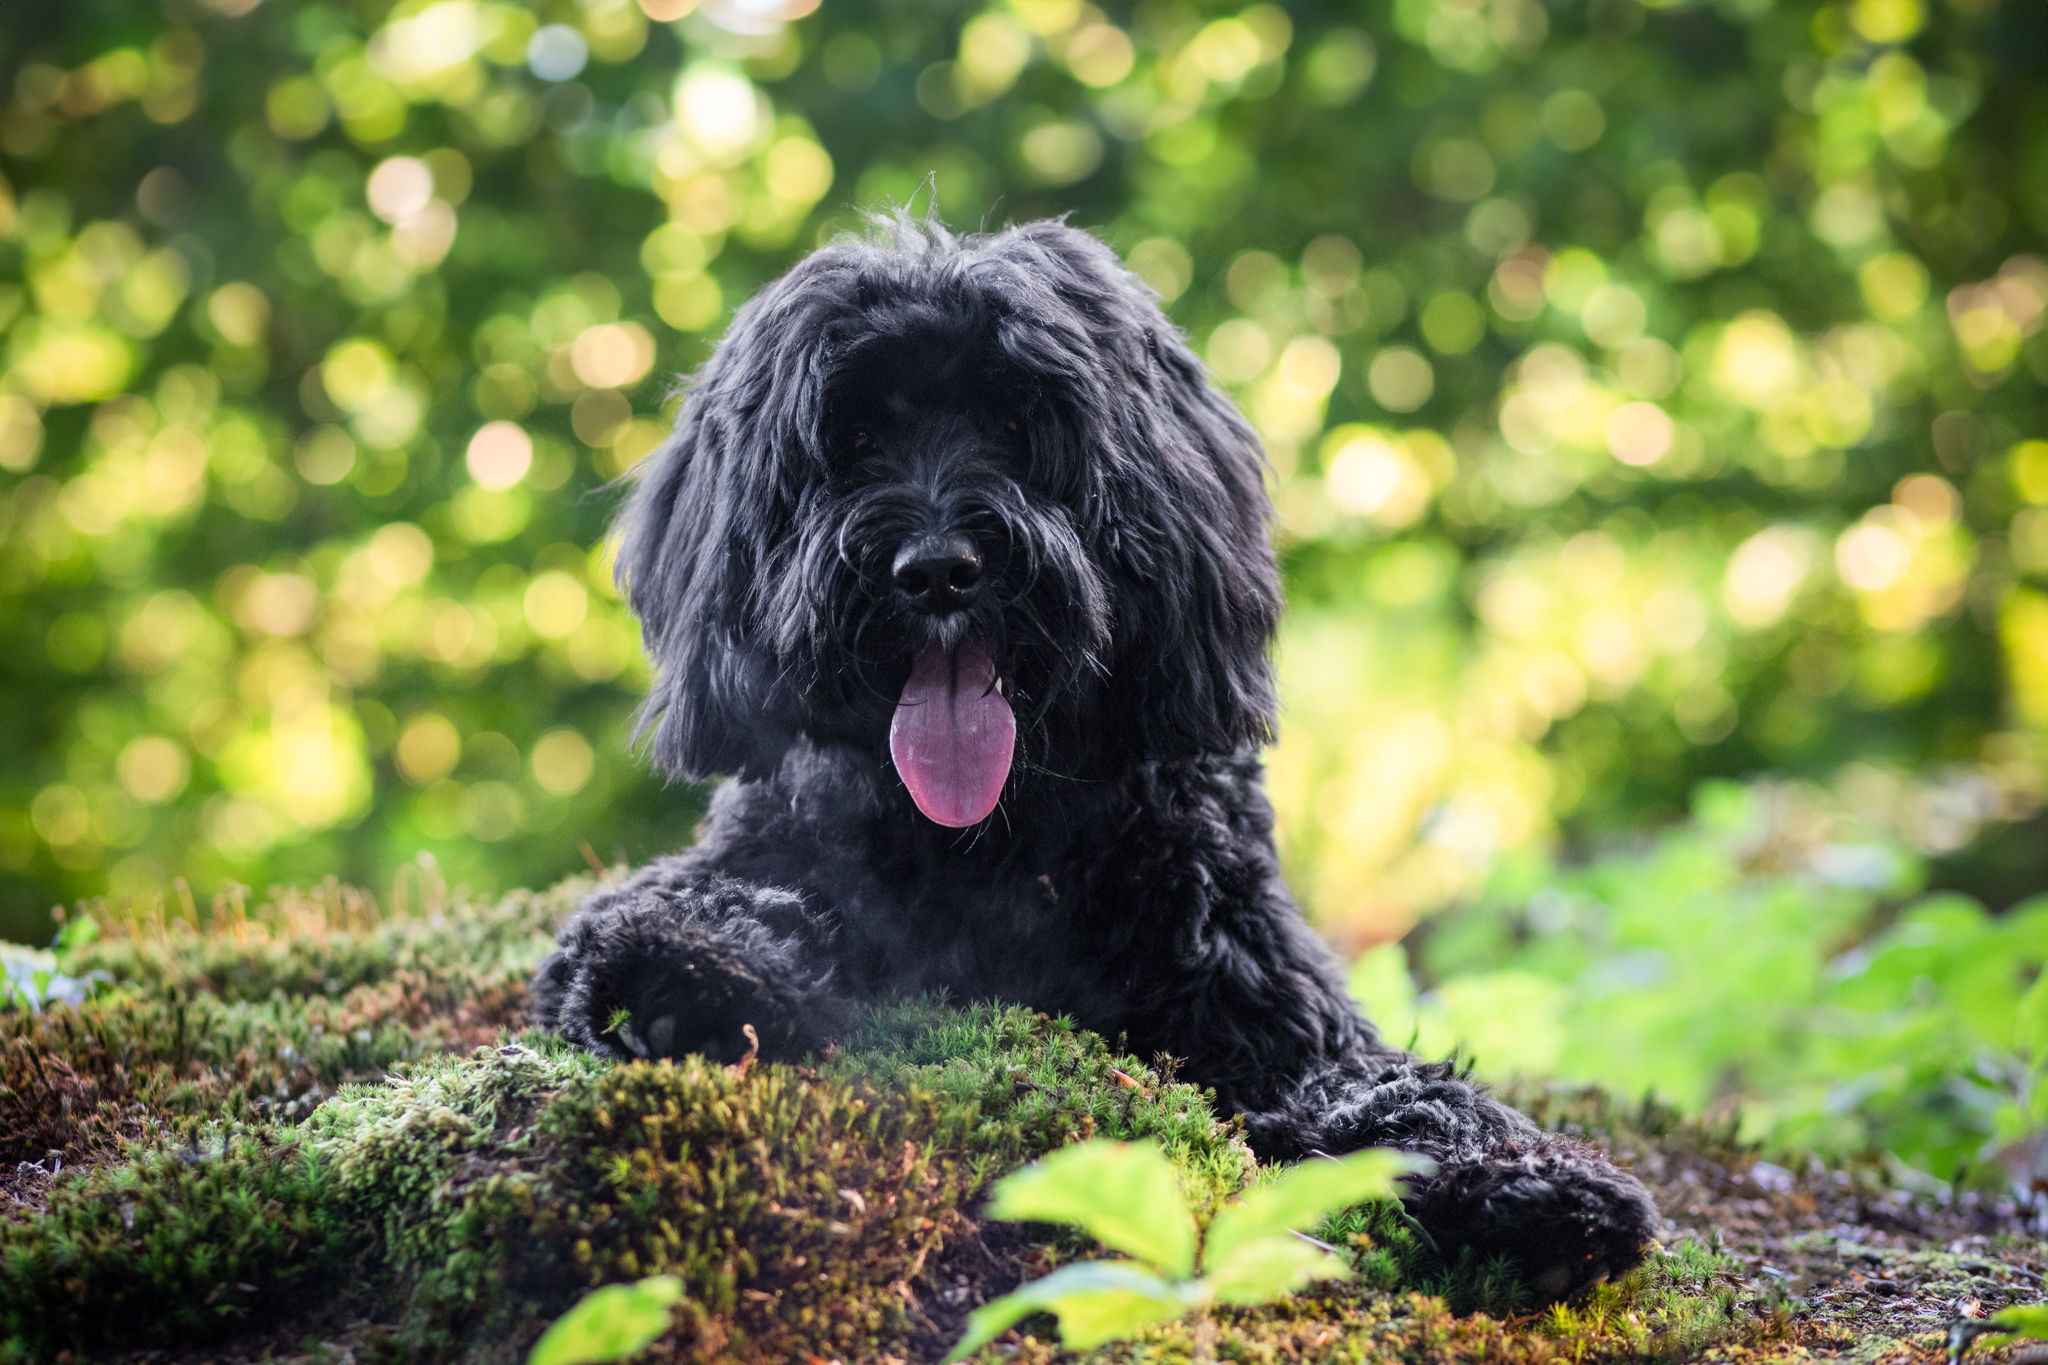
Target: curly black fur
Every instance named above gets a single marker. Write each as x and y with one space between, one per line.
1022 391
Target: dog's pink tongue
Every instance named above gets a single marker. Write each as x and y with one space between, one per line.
952 736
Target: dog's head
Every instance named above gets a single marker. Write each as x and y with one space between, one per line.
944 493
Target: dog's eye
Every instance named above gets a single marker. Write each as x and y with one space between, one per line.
861 439
1014 425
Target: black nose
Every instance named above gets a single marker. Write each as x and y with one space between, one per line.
938 573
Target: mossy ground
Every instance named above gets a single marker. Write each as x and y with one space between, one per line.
316 1131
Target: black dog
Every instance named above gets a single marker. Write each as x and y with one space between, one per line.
959 562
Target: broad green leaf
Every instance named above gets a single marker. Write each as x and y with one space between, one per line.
1301 1197
612 1323
2030 1024
1122 1194
1088 1318
2027 1320
1096 1301
991 1320
1267 1267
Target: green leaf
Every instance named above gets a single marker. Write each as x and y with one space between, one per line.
1305 1194
78 931
1122 1194
2027 1320
1096 1301
1090 1317
612 1323
2030 1024
1268 1267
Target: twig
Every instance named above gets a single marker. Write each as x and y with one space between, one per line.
739 1068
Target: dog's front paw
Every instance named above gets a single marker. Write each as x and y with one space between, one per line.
680 997
1557 1212
644 978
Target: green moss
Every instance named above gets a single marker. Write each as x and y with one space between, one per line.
1665 1311
331 941
259 1017
314 1123
486 1190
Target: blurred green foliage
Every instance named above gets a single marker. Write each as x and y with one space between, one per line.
1757 961
1653 390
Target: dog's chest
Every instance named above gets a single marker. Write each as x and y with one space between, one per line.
1018 937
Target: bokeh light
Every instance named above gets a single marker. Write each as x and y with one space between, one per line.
1642 409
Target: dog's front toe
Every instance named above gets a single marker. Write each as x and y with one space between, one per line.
661 1036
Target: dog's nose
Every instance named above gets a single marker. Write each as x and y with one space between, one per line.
938 573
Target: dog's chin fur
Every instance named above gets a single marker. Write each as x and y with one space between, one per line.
1020 394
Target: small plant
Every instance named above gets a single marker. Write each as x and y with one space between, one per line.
616 1322
1123 1194
33 980
2021 1320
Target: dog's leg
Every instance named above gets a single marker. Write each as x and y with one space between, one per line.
678 961
1315 1079
1555 1209
1229 977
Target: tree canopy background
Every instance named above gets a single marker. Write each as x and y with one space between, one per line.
1653 391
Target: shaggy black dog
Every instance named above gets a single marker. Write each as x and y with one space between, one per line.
958 561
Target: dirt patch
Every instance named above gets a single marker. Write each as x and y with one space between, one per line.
1845 1260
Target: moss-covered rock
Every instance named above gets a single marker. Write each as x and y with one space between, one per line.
277 1107
481 1192
313 1131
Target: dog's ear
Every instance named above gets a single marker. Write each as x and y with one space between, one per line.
704 530
1177 512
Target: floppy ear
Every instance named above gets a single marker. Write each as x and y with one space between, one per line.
1179 514
704 529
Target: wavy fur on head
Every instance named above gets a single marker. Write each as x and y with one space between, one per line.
1084 517
1117 496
